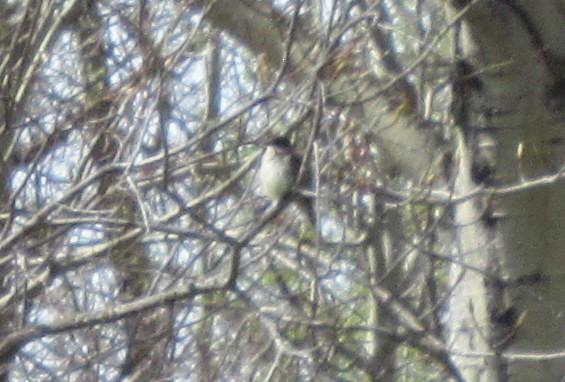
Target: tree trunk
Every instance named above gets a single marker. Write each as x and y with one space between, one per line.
517 53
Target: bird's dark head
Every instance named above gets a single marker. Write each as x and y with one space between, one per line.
280 142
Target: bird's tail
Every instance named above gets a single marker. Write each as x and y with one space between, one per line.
306 204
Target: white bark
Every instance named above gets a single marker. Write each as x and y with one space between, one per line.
518 47
468 319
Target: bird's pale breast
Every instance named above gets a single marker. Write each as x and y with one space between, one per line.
274 175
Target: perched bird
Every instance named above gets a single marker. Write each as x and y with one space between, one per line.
278 174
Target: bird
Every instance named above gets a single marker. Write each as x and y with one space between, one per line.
278 176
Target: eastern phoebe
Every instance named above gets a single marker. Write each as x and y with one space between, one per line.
280 167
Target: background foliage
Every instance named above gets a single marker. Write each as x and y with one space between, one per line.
134 243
